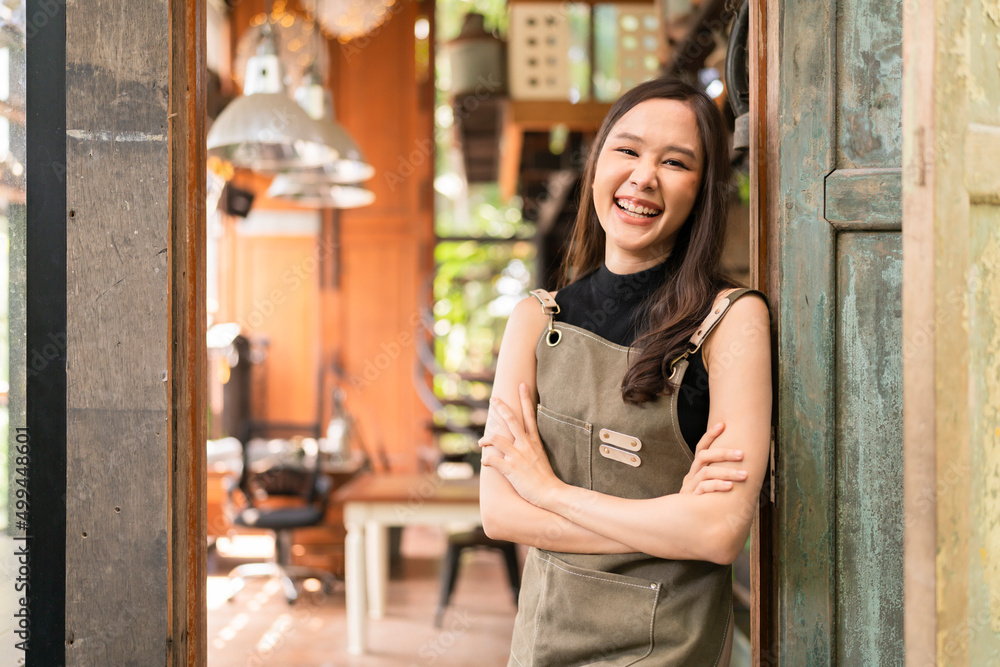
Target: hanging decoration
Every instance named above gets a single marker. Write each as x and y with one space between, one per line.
336 183
295 39
263 129
350 19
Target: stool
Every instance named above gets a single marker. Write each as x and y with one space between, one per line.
457 543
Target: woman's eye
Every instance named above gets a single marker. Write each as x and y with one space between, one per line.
675 163
627 151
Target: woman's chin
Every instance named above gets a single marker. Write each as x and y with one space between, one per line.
636 241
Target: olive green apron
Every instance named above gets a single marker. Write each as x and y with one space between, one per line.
615 609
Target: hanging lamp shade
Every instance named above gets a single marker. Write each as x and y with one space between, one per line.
298 41
263 129
319 193
350 165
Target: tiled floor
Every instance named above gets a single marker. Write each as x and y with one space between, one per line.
259 628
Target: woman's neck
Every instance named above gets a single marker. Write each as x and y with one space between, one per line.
625 263
628 287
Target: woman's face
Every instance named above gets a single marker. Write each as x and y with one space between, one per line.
646 181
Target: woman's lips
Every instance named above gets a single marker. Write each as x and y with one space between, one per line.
642 221
636 205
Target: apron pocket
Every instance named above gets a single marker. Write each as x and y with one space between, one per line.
589 617
567 444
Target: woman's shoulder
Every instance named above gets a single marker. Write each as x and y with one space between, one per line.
529 316
744 292
747 302
746 315
525 326
742 335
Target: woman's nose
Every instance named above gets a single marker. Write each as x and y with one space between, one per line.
643 175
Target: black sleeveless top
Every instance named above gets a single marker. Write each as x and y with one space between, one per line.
610 305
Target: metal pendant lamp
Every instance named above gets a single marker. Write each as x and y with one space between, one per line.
335 184
317 101
263 129
319 194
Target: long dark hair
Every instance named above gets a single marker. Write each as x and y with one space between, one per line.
693 276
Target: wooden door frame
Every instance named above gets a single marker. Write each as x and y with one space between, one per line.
102 460
763 276
187 486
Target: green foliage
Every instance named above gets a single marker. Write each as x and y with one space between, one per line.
484 260
742 180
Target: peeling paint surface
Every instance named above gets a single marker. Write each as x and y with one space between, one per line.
984 38
839 460
967 297
984 413
869 453
869 83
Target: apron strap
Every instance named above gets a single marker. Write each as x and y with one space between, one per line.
549 304
550 308
719 310
713 319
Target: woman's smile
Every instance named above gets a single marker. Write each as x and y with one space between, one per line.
638 211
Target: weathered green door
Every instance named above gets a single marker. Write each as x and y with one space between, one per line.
839 539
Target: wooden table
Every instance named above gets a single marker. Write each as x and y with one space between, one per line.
373 503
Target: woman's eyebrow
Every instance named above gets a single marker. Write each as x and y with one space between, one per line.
676 149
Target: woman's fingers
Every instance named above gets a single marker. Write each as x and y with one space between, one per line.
508 417
722 473
713 485
502 444
493 459
711 434
709 456
528 412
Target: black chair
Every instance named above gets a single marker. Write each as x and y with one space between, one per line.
458 543
271 478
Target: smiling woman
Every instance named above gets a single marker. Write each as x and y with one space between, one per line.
646 181
590 454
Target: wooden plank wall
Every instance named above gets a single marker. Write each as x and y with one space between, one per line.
365 309
275 296
863 201
118 335
384 96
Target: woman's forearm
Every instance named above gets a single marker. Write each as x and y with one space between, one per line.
508 516
705 527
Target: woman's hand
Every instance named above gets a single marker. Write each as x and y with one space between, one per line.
521 460
703 477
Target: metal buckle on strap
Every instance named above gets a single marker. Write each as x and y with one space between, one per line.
553 335
692 348
549 306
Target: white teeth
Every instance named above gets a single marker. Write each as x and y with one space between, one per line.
632 208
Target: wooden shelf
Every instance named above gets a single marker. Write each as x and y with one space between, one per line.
587 2
541 116
546 114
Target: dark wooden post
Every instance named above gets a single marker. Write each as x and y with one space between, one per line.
135 332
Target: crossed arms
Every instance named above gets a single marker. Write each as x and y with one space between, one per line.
709 519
